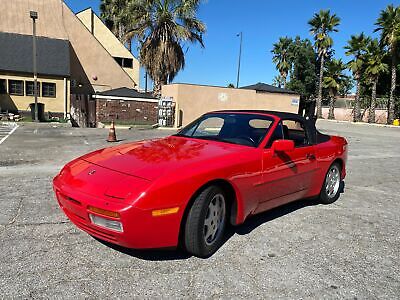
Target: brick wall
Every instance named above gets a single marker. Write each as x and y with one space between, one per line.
132 112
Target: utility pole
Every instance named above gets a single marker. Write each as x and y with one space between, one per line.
34 16
145 82
240 56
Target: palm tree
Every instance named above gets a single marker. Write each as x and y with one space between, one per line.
278 81
162 26
116 17
389 25
322 24
281 56
113 14
374 67
332 81
357 47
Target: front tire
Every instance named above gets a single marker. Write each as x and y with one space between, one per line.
206 222
330 191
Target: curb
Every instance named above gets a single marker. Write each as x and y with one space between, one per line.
44 124
360 123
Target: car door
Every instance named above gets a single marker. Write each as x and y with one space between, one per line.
287 176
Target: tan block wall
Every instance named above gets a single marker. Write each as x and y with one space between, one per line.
110 42
346 114
12 102
195 100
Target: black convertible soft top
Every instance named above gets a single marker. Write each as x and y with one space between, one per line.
315 137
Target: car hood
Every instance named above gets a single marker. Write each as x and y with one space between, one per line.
152 159
85 177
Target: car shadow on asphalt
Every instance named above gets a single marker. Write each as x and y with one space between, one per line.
248 226
150 254
254 221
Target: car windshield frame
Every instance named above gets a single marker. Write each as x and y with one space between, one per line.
195 124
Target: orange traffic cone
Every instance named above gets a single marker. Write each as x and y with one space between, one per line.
112 137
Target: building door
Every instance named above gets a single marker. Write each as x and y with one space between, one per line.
83 110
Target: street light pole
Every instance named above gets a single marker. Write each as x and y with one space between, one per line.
240 55
145 82
34 16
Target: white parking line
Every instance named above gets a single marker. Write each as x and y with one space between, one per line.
6 131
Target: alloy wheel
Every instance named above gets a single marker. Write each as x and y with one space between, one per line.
215 218
332 181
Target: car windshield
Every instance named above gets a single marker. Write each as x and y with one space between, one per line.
235 128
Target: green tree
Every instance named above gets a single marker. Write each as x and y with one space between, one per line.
333 79
375 66
231 85
357 47
322 24
163 26
388 24
114 15
303 78
281 57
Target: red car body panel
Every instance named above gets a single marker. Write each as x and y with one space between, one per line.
134 179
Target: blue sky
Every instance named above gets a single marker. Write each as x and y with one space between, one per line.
262 23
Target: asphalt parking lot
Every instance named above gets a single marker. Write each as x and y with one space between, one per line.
347 250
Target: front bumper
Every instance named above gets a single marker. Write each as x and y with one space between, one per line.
141 230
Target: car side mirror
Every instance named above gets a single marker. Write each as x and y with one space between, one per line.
283 146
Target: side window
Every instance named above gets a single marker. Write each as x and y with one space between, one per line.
295 131
276 135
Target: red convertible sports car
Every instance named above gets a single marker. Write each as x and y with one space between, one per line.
186 188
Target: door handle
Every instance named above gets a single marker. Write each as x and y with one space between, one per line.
310 156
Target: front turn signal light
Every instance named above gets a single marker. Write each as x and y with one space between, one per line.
165 211
104 212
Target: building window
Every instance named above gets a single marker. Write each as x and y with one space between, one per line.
124 62
16 87
118 60
29 88
48 89
3 86
127 63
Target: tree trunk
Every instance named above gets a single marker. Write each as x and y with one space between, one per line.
300 111
371 115
129 43
390 115
319 98
157 87
356 112
284 80
120 33
331 114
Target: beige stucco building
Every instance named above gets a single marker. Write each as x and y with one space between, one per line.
91 63
191 101
53 92
110 42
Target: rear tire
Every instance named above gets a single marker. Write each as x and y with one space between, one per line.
330 191
206 222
